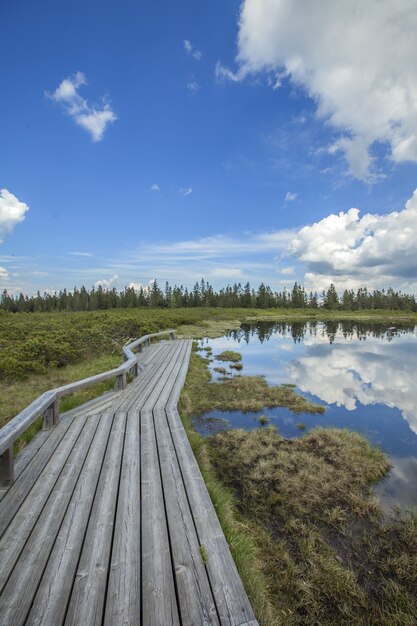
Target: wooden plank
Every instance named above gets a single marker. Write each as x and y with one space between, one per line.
123 591
20 489
87 600
194 594
137 396
195 597
20 528
7 467
232 602
17 596
52 597
158 588
123 594
230 596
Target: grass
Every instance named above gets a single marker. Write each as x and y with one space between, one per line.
15 396
229 355
238 393
310 541
329 556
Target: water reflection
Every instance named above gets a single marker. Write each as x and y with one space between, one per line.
364 373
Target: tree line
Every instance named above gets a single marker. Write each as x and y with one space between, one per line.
204 295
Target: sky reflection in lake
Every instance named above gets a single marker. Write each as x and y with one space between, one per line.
364 375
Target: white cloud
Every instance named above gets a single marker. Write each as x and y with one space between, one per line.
287 271
224 73
12 211
355 59
371 372
86 254
106 283
155 187
193 86
186 191
4 274
192 50
290 197
226 272
93 119
352 251
137 286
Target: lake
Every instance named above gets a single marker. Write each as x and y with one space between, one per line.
364 375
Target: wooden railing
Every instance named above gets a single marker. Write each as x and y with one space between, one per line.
48 403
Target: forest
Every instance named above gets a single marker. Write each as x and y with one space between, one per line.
204 295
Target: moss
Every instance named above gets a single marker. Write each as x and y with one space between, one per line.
229 355
330 556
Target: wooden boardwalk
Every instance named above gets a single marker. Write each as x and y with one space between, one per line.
109 521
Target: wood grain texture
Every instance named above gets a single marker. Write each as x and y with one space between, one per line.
109 520
17 596
87 600
124 586
52 597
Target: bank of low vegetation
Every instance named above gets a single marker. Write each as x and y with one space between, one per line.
46 349
310 540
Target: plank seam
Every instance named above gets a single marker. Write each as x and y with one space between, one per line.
87 524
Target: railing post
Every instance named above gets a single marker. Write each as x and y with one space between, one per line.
172 335
120 381
51 416
7 468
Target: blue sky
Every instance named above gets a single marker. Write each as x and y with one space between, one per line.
224 140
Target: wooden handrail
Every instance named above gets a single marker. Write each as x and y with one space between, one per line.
47 403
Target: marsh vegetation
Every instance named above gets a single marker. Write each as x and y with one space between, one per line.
309 537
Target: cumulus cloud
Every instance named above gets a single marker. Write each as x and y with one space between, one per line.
350 251
290 197
12 211
155 187
355 59
186 191
106 283
192 50
93 119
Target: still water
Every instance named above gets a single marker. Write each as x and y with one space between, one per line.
364 375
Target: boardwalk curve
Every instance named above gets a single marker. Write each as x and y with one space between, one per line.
108 520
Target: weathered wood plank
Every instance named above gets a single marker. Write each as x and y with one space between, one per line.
194 594
87 600
7 468
158 588
123 595
124 586
20 489
52 597
17 596
229 594
11 431
20 528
